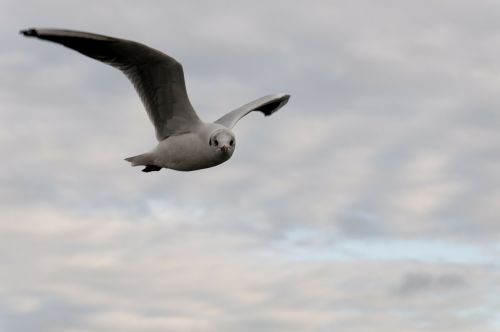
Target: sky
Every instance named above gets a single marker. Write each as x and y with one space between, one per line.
370 202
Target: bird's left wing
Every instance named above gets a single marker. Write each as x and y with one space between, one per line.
157 77
267 105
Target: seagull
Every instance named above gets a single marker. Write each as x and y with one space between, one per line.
185 143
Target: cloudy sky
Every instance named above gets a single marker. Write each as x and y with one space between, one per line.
371 202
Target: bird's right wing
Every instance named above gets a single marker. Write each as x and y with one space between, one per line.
157 77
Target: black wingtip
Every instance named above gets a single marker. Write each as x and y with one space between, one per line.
274 105
151 168
29 33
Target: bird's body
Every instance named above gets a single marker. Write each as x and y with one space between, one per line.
187 152
185 142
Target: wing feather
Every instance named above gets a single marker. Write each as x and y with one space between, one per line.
157 77
267 105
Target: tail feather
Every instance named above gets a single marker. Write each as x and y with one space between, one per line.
141 160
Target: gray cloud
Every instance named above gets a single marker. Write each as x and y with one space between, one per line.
419 282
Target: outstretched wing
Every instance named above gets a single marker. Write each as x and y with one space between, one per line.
158 78
267 105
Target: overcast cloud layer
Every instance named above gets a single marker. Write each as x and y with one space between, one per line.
370 202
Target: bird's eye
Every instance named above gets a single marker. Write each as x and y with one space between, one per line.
231 143
215 141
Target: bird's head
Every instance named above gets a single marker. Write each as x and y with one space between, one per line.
222 142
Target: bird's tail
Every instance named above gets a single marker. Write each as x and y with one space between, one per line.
141 160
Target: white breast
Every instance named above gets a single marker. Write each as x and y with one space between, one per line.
186 152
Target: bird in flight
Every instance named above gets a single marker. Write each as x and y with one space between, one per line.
185 143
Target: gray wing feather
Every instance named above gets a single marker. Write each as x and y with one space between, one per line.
267 105
157 77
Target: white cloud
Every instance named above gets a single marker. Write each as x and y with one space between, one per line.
151 275
390 138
